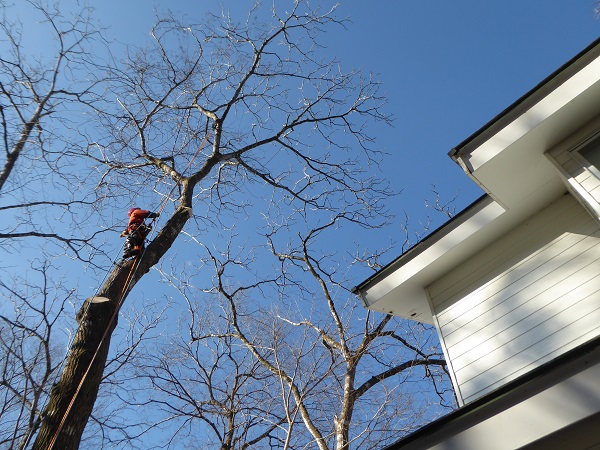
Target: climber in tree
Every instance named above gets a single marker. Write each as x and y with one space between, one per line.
136 231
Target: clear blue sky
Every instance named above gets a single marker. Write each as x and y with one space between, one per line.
450 67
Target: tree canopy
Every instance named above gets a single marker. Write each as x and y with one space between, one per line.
255 146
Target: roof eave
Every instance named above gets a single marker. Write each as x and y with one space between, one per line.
525 102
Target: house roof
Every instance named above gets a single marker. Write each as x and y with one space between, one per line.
505 158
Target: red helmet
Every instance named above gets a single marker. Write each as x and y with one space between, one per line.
130 212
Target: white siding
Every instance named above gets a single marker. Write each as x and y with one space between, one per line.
524 300
584 184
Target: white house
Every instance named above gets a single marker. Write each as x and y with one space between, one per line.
512 283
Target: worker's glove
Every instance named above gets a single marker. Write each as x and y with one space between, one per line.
124 233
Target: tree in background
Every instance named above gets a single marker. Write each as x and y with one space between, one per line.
29 356
340 367
43 95
317 369
208 392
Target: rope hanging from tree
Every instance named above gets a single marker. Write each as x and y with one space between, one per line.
121 298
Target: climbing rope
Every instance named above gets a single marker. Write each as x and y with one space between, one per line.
112 318
132 271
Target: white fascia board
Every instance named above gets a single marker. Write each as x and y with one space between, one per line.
542 110
426 263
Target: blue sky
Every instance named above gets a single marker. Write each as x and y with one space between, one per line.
450 67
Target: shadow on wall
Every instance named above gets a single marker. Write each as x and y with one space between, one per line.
524 300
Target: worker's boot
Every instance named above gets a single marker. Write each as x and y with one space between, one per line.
131 248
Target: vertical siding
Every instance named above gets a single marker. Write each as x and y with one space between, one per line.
532 295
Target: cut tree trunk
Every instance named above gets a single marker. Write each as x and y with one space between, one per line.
96 319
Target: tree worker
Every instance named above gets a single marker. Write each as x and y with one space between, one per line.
136 231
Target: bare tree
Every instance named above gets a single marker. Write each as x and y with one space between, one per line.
332 360
275 116
44 97
29 350
209 390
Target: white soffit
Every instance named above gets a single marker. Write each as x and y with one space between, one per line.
401 290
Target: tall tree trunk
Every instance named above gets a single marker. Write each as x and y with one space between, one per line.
96 319
342 423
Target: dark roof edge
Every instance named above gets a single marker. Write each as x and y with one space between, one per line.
520 387
413 249
556 78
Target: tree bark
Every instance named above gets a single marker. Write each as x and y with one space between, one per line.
90 350
13 155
